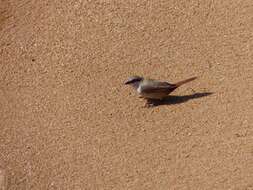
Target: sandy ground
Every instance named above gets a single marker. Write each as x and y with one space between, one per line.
68 122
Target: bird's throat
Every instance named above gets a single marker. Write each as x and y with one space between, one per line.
136 85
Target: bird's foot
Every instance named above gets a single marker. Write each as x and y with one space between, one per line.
149 104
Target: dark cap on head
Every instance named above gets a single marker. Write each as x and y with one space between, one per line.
133 79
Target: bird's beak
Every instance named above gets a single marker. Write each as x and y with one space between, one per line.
127 82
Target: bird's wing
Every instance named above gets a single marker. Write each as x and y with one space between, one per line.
157 87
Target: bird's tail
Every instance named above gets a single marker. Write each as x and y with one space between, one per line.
184 81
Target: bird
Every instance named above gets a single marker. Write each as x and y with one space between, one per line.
151 89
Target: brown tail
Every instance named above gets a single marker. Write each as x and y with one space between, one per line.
185 81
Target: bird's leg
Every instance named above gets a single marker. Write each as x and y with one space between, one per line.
149 103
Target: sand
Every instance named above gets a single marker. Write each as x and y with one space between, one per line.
68 122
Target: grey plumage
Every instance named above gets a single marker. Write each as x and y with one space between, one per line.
154 89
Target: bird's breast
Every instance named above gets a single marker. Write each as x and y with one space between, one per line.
139 90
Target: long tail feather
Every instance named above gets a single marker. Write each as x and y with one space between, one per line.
185 81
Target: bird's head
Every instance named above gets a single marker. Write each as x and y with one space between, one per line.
134 81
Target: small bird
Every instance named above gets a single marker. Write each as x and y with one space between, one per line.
151 89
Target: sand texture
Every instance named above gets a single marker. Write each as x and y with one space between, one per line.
68 122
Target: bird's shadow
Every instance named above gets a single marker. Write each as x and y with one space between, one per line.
170 100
